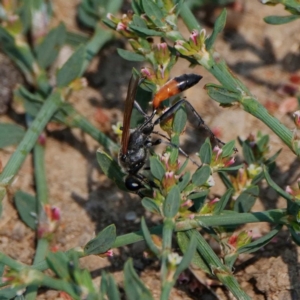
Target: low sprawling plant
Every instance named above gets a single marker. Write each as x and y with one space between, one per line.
180 197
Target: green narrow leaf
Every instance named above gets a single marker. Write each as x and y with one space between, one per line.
113 6
102 242
136 7
27 206
131 56
72 68
228 149
145 32
273 158
147 236
59 264
174 155
218 27
205 152
10 134
221 94
246 199
47 50
85 18
172 202
184 180
154 12
134 287
248 153
112 288
183 242
259 243
182 167
151 205
179 120
187 257
138 21
198 200
263 142
278 20
277 188
220 206
201 176
103 285
233 168
225 180
2 268
111 169
295 236
259 177
157 168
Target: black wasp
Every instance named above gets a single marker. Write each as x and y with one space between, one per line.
136 142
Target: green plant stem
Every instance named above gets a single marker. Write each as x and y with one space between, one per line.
99 39
253 107
220 270
6 260
50 106
222 73
40 173
40 254
166 290
167 233
274 216
189 18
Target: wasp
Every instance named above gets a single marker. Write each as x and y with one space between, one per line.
136 142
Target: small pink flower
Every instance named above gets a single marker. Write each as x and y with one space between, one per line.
289 190
42 139
109 253
229 162
55 213
187 203
121 27
218 151
296 116
193 36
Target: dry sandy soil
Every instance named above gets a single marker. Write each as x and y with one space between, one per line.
263 57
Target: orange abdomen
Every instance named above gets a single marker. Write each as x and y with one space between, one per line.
174 87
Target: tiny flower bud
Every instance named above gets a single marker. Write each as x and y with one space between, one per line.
55 213
244 238
42 139
162 53
169 180
174 259
296 116
210 181
229 162
108 253
148 73
184 48
112 18
217 151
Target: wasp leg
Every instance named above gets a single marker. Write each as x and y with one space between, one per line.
139 109
214 140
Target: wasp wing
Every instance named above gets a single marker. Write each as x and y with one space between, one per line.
129 102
